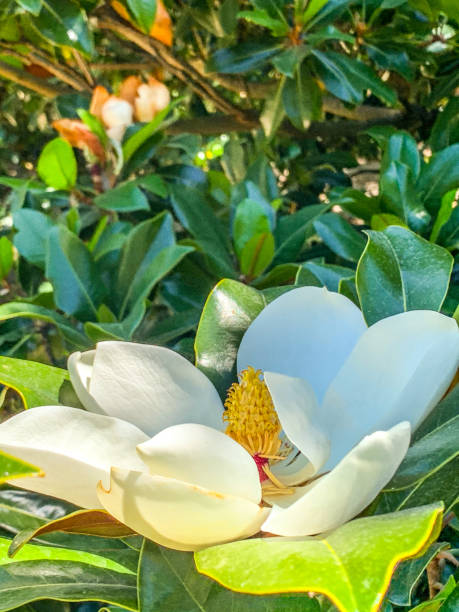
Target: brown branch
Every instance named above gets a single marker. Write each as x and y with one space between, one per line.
83 67
178 67
28 80
133 67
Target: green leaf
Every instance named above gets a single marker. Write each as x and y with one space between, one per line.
444 214
64 23
168 581
401 271
38 384
347 78
445 131
273 111
78 290
52 573
250 219
328 275
148 254
154 184
287 62
12 467
261 17
302 98
292 231
399 194
332 565
57 165
134 142
94 124
6 257
30 240
440 175
340 236
124 198
229 310
358 204
13 310
144 12
407 575
402 147
384 220
122 330
242 58
312 9
200 220
257 254
32 6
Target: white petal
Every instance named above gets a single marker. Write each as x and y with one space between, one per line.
177 514
152 387
203 456
73 447
347 489
399 369
80 367
307 333
117 112
298 411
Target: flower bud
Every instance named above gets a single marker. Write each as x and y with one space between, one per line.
151 99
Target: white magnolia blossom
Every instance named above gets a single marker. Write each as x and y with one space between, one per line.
151 447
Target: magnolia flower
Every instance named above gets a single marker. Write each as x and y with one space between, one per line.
317 424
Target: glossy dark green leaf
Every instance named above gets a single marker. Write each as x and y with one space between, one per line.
57 165
243 57
408 574
445 131
169 581
444 215
73 273
402 147
328 275
441 414
332 564
125 198
401 271
302 98
229 310
154 184
287 62
391 57
12 310
196 215
30 240
440 175
273 110
148 254
38 384
358 204
340 236
122 330
347 78
292 231
64 23
134 142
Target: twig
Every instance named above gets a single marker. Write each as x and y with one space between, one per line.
31 82
83 67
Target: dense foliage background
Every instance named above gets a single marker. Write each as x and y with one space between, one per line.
306 143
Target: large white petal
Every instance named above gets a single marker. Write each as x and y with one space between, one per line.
299 414
73 447
80 366
152 387
177 514
399 369
347 489
307 333
203 456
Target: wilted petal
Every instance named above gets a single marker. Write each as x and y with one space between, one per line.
203 456
74 448
78 135
299 414
346 490
99 96
152 387
170 511
399 369
162 25
306 333
128 88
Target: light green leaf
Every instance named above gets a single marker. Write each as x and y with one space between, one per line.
57 165
312 9
133 143
257 254
332 565
144 12
261 17
6 257
94 124
400 271
37 384
12 467
383 220
250 219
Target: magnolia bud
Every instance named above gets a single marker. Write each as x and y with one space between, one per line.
151 99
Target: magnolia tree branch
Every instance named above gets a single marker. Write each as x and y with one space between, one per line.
31 82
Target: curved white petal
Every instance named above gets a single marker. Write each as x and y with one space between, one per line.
347 489
80 367
188 516
299 414
307 333
73 447
399 369
203 456
152 387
